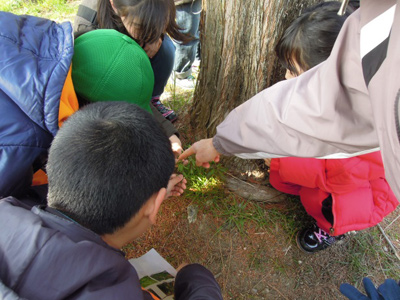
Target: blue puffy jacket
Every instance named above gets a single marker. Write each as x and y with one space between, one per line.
35 56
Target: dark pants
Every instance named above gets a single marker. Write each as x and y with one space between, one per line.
188 18
196 282
162 64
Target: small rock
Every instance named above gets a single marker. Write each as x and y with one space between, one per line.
192 213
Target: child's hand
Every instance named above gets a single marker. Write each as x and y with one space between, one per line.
152 49
176 145
176 185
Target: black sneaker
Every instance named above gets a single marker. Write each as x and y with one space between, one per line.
315 239
168 113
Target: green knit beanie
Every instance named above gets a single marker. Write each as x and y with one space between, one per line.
110 66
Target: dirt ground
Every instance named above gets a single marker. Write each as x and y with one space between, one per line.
265 263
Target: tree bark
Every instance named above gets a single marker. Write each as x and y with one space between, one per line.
237 57
238 60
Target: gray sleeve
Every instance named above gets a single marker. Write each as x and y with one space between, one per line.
325 112
86 17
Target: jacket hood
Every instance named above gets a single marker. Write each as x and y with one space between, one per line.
33 71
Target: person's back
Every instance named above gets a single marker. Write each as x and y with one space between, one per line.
47 257
107 180
330 190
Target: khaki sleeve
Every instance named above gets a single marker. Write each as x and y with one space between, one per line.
325 112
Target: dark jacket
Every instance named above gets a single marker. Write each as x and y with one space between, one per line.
45 256
36 55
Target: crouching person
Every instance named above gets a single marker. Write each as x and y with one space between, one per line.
109 170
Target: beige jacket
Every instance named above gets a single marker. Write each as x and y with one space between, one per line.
346 106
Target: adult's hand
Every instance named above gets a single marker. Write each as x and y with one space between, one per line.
205 152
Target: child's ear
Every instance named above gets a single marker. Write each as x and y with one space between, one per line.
156 203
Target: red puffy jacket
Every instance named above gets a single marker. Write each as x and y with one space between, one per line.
361 196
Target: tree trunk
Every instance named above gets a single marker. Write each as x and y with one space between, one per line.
237 57
238 60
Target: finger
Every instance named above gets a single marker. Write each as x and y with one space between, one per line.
175 179
177 192
182 189
187 153
177 188
184 181
204 165
217 158
176 148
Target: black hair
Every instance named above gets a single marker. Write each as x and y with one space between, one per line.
309 40
105 162
355 4
151 18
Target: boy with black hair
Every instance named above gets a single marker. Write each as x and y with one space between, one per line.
107 179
